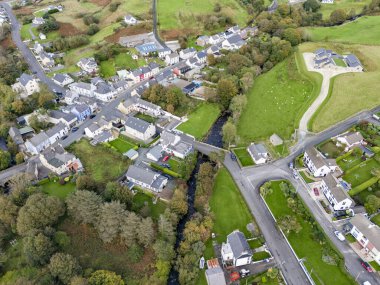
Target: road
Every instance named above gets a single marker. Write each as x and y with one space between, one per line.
30 59
155 26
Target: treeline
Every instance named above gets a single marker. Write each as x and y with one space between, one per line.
12 65
67 43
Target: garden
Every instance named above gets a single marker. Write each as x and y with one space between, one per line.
143 204
243 156
122 145
53 187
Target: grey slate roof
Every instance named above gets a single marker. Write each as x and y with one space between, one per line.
156 151
353 138
57 156
167 138
352 61
368 229
61 77
16 136
258 150
137 124
238 244
25 78
39 139
338 192
68 117
140 174
215 276
56 129
316 158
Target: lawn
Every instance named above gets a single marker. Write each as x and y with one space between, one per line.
261 255
124 60
243 156
122 145
352 32
102 163
330 150
305 177
258 279
152 210
146 118
107 68
346 5
25 35
175 15
374 265
349 161
278 100
340 62
360 173
200 121
303 243
376 219
55 189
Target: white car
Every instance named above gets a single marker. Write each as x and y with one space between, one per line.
244 272
339 235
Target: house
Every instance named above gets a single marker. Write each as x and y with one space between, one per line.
81 111
155 153
37 48
139 105
130 20
202 41
187 53
123 74
147 48
15 135
70 97
55 116
164 75
82 88
190 88
233 43
352 61
192 61
57 132
37 143
121 85
172 143
258 153
42 36
104 137
139 129
26 85
367 235
275 140
213 50
59 161
317 164
215 39
351 140
201 57
163 52
181 69
366 151
62 79
172 58
131 154
236 251
96 128
154 68
215 276
38 21
46 59
104 92
88 65
234 29
89 101
146 178
335 194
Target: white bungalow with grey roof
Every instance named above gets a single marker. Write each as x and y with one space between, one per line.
317 164
258 153
155 153
139 129
57 132
335 194
82 88
172 58
172 144
130 20
187 53
55 116
351 140
38 21
62 79
88 65
233 43
215 276
236 251
146 178
26 85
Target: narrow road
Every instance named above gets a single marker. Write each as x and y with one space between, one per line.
155 25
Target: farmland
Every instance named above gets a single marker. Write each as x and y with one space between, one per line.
346 5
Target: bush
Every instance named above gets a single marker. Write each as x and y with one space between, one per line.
363 186
165 170
92 29
89 19
114 6
62 181
52 11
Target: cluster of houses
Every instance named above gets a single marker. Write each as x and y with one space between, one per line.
3 16
325 58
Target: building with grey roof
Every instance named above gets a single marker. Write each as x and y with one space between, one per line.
56 116
37 143
103 137
139 129
335 194
215 276
135 104
236 251
155 153
351 139
15 135
317 164
146 178
258 153
233 42
62 79
352 61
172 143
26 85
131 154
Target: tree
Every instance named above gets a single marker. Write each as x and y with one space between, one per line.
237 106
110 220
38 212
246 81
178 203
78 280
129 226
229 132
294 36
289 224
145 232
8 211
64 267
272 272
38 249
312 5
105 277
226 90
19 158
338 16
116 192
45 97
372 205
84 206
211 60
20 185
5 159
85 182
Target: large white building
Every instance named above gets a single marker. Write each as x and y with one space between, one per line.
139 129
88 65
26 85
335 194
317 164
172 144
236 251
146 178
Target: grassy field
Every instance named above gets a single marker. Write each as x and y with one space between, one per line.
243 156
102 163
351 32
278 100
350 93
107 69
346 5
304 245
152 210
360 173
201 120
122 145
376 219
340 62
55 189
146 118
174 15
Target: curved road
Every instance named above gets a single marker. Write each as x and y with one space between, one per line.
155 26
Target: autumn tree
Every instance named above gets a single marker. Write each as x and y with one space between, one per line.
289 224
129 226
8 211
83 206
19 158
21 188
64 267
116 192
237 106
38 249
145 232
226 90
372 204
229 133
338 16
178 203
105 277
5 159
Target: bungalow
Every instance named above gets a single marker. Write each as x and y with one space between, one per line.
187 53
367 235
81 111
172 143
236 251
38 21
155 153
26 85
335 194
203 41
233 43
317 164
172 58
352 61
351 140
55 117
139 129
59 161
46 59
62 79
163 52
258 153
146 178
130 20
96 128
88 65
147 48
70 97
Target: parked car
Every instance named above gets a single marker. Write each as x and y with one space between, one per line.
366 266
339 235
74 129
316 192
244 272
233 156
166 158
92 116
64 137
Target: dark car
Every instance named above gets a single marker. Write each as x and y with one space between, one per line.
366 266
92 116
233 157
64 137
74 129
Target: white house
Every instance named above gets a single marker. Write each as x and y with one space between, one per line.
59 161
236 251
163 52
104 92
57 132
201 57
139 129
187 53
335 194
172 143
26 85
172 58
82 88
233 43
351 140
70 97
38 21
97 128
203 40
146 178
37 48
155 153
55 117
62 79
46 59
130 20
367 235
139 105
88 65
258 153
317 164
42 36
215 39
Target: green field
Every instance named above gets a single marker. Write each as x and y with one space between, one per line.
278 100
304 245
201 120
364 30
55 189
107 69
360 173
339 62
346 5
122 145
243 156
376 219
173 15
152 210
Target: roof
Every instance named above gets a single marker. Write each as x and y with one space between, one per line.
215 276
156 151
15 134
173 55
25 78
339 193
353 138
201 54
61 77
26 130
276 140
168 138
238 244
57 156
368 229
103 137
80 108
182 147
39 139
131 153
137 124
352 61
56 129
68 117
82 85
153 65
316 158
258 151
235 39
147 48
141 174
189 50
